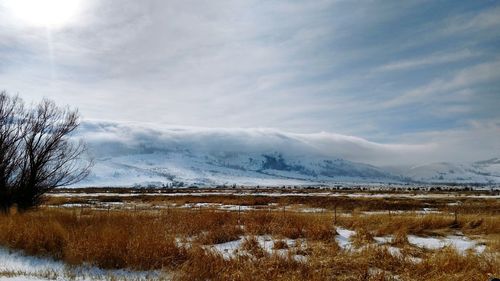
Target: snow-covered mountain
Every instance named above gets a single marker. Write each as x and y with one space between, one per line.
138 155
487 171
183 168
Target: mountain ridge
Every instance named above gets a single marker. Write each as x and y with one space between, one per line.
140 156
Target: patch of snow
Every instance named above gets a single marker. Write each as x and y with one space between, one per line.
232 249
383 239
424 211
16 266
22 278
395 251
229 249
16 262
461 243
312 210
344 238
274 194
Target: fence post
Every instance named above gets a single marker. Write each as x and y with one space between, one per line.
335 214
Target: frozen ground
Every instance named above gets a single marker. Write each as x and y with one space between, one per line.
15 266
275 194
344 237
299 208
461 243
233 248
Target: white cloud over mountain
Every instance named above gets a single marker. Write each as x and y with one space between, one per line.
138 153
472 144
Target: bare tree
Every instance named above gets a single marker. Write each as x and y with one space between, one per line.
11 115
50 158
36 151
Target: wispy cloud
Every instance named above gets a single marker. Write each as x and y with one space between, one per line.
466 78
375 69
432 59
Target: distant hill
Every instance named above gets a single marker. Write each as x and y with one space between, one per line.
129 155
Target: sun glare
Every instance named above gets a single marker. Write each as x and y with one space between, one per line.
48 13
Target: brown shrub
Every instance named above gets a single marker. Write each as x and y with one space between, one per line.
280 244
400 237
219 235
362 237
252 246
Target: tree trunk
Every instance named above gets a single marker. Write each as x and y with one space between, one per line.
5 201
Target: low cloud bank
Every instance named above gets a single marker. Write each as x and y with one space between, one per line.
115 139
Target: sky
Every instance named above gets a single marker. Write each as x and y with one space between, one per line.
390 72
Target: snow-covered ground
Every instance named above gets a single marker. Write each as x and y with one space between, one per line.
15 266
344 237
233 248
424 211
461 243
277 194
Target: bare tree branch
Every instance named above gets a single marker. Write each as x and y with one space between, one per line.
36 151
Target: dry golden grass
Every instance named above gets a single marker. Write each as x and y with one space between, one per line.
429 224
252 246
400 237
362 237
280 244
108 241
149 239
395 200
219 235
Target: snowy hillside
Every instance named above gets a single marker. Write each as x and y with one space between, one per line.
478 172
138 155
182 168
